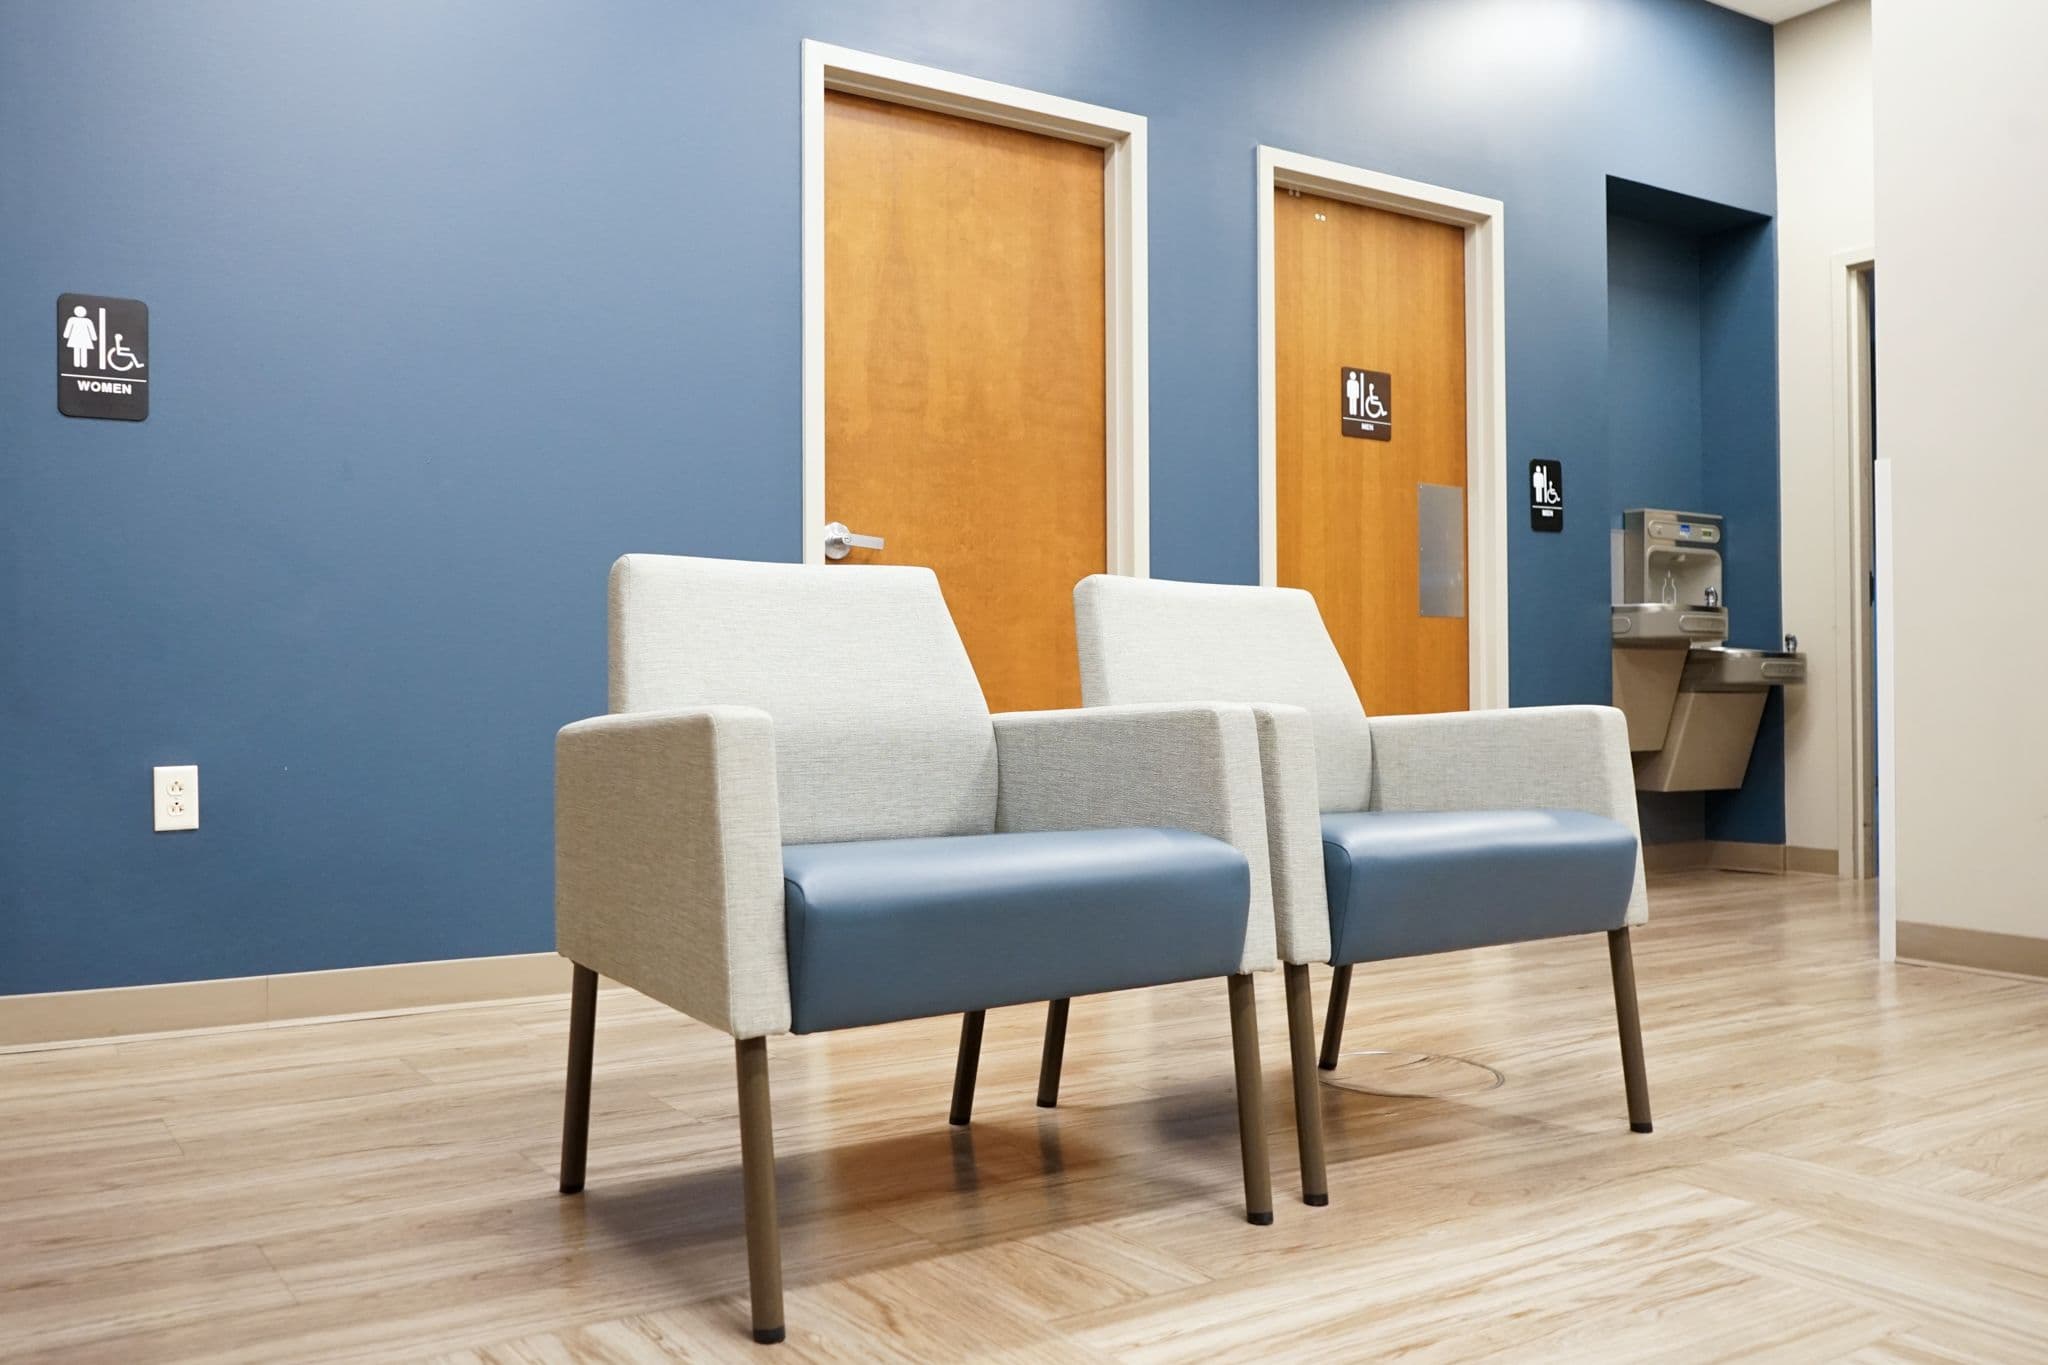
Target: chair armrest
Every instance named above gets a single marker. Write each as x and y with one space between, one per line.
668 861
1523 758
1166 766
1294 831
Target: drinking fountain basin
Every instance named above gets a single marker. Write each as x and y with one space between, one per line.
1717 668
1713 725
1650 642
1660 623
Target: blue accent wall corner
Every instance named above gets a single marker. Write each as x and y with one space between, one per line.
452 303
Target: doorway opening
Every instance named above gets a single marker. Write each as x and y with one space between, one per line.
1859 604
974 349
1340 400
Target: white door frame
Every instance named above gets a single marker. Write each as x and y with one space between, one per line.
1887 722
1850 342
1486 399
1126 380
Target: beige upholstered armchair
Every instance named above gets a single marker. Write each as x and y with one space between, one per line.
800 816
1394 836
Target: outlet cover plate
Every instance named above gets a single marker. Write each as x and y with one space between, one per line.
177 797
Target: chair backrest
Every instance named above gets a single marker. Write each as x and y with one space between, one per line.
1148 640
881 731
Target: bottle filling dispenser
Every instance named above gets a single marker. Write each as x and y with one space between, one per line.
1693 704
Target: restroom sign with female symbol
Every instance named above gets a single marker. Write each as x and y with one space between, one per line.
1366 404
102 357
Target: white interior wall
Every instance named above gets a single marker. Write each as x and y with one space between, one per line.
1962 369
1825 207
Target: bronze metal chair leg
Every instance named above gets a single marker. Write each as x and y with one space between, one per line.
1333 1023
1308 1093
757 1174
967 1067
1622 959
576 1096
1251 1107
1055 1053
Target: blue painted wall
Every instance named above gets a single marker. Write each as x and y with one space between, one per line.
1692 395
1653 416
1653 368
1739 456
353 564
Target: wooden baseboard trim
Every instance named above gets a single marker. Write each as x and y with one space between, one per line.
1724 855
1976 950
1822 861
1720 855
121 1011
1686 855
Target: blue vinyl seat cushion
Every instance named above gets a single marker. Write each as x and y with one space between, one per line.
905 928
1402 883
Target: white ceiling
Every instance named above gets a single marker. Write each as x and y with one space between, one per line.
1772 11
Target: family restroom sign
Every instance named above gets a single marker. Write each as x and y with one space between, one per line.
102 357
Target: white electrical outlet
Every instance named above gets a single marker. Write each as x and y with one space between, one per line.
177 798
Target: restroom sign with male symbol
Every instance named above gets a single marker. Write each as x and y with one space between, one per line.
102 357
1546 495
1366 404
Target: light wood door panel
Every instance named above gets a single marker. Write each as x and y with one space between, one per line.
964 383
1373 290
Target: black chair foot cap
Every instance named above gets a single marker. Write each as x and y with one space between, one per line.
956 1120
1260 1220
568 1188
769 1336
1326 1066
1048 1104
1315 1201
1639 1127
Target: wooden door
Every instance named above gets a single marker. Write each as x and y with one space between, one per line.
964 386
1363 289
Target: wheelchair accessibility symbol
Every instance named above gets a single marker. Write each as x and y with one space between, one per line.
120 359
1367 410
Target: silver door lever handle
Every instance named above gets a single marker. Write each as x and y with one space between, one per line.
839 540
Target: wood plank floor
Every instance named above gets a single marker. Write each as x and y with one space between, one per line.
1850 1163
